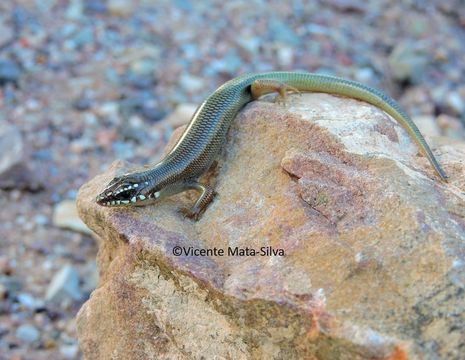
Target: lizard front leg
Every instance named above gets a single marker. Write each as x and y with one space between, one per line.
206 196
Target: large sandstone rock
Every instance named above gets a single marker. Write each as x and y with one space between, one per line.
374 248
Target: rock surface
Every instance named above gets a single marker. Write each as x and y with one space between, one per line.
374 247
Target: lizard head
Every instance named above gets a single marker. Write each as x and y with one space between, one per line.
127 190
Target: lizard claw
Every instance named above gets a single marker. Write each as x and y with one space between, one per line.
189 213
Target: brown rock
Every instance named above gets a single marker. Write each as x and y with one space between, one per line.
373 243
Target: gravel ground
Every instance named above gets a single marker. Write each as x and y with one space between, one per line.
83 83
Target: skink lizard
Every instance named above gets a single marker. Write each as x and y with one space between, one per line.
203 138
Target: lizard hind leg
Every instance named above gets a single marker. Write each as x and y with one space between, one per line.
261 87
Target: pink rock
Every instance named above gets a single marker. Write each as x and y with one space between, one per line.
373 245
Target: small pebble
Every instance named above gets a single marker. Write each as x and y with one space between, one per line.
12 151
95 7
191 83
451 127
74 10
69 351
9 72
29 302
109 109
151 112
285 56
3 292
120 7
27 333
82 104
407 61
41 219
181 115
144 67
249 44
11 285
64 286
455 103
5 267
91 278
364 75
65 216
427 125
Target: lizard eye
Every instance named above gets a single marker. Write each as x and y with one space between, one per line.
115 180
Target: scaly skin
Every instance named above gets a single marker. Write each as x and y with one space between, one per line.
203 138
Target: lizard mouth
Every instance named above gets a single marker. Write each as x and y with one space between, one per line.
107 199
125 195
